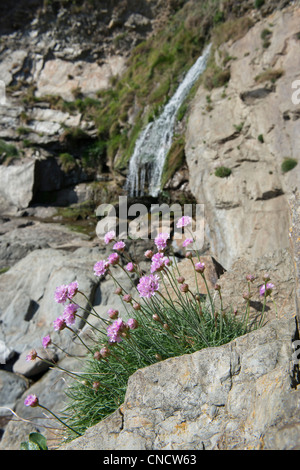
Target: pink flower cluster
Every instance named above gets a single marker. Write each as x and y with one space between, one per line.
31 400
115 330
161 241
109 236
148 285
266 289
65 292
184 221
158 262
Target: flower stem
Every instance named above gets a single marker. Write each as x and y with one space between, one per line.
62 422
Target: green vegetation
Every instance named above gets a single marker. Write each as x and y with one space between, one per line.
259 3
288 164
36 441
260 138
67 162
239 127
222 172
8 151
269 75
265 36
4 270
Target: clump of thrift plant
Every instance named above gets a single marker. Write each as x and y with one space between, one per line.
152 326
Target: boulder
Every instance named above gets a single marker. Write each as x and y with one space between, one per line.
229 397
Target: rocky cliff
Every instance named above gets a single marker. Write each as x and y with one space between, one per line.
249 126
60 157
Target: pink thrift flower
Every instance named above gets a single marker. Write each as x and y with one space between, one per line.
113 259
31 400
112 313
127 298
100 268
161 241
31 356
266 289
187 242
59 324
72 289
130 267
200 267
159 261
46 341
109 236
119 246
149 254
69 314
61 294
132 323
115 330
184 221
104 352
148 285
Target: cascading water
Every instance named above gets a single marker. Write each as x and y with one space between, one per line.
154 142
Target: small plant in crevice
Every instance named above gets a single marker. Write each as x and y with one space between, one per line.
222 172
261 139
161 317
288 164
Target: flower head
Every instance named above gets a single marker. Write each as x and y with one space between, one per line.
184 287
72 289
109 236
61 294
31 400
69 314
130 267
132 323
149 254
100 268
113 313
161 241
159 261
187 242
32 355
46 341
148 285
113 259
266 289
104 352
59 324
184 221
200 267
250 277
115 331
119 246
127 298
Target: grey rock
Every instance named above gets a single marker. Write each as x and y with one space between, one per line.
16 183
228 397
12 387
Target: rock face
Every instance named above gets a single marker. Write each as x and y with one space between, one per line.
248 126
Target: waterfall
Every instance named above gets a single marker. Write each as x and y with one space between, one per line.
154 142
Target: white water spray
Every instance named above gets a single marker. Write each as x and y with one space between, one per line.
154 142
